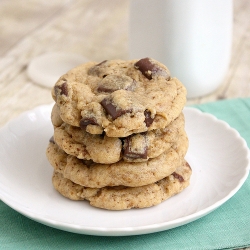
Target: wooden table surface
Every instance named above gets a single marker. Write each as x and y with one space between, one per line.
95 29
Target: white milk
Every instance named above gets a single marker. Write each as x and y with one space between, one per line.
191 37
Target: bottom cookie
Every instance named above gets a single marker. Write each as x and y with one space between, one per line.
120 197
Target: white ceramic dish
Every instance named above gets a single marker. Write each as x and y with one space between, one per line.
217 154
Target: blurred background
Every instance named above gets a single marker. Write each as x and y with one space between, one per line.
97 30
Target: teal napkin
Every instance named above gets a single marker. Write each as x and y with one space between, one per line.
226 228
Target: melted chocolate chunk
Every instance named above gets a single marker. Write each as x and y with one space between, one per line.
52 139
177 176
150 69
105 90
97 70
132 152
145 66
112 110
61 89
148 120
87 121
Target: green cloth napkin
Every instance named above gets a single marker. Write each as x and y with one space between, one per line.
226 228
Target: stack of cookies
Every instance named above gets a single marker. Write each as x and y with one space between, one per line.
119 139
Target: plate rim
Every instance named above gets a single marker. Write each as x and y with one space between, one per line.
125 231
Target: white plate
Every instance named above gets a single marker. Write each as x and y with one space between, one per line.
217 155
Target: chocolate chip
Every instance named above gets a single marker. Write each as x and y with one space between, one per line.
149 69
52 139
105 90
61 89
148 120
112 110
145 66
177 176
87 121
97 70
133 151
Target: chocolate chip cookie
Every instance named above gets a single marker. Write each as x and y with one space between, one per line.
119 139
103 149
90 174
120 198
119 97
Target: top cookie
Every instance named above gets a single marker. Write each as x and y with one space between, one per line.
119 97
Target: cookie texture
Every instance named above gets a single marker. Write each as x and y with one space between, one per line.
119 97
90 174
103 149
120 197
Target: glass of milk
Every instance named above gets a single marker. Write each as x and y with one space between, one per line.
191 37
